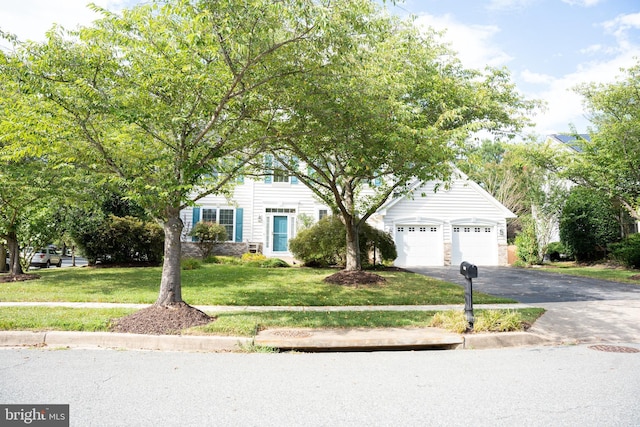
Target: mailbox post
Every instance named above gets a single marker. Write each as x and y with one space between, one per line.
470 272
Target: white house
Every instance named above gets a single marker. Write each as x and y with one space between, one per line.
458 222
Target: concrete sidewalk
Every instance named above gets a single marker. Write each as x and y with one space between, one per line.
599 321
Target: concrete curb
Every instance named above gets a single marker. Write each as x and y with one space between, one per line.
284 339
503 340
358 339
123 341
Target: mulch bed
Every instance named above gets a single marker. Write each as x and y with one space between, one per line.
354 278
635 277
162 320
18 277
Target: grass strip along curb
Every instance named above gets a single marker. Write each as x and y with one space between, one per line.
246 324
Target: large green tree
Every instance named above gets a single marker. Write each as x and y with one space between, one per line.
34 179
172 98
610 160
392 107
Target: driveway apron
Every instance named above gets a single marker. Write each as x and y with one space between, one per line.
578 309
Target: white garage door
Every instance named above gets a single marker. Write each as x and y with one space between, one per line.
419 245
475 244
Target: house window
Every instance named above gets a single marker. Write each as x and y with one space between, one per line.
221 216
322 213
226 219
280 210
279 173
434 229
210 215
412 229
477 229
487 229
423 229
400 229
456 229
467 229
276 171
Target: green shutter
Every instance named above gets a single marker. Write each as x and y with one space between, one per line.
239 220
195 218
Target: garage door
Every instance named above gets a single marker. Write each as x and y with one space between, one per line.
475 244
419 245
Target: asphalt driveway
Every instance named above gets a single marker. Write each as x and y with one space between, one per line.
532 286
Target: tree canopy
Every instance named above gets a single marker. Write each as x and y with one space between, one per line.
394 107
610 160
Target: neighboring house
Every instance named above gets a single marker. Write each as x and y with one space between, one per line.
460 221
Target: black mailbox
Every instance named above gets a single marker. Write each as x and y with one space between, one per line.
468 270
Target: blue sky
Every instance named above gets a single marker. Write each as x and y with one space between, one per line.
549 46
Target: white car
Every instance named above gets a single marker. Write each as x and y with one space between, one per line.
46 257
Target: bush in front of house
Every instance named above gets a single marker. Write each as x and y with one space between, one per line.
325 244
117 240
527 243
627 251
208 234
589 224
557 251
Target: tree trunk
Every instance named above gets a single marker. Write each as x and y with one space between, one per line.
353 245
15 268
3 256
171 285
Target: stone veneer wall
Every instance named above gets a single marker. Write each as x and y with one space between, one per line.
191 250
447 253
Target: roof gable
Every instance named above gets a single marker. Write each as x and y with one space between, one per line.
459 180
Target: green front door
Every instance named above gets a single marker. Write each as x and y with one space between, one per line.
280 236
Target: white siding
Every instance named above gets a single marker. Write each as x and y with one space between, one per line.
462 203
255 197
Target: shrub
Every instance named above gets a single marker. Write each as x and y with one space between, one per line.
451 320
250 257
212 259
274 263
498 321
326 244
485 321
190 264
589 224
527 243
557 251
120 240
627 251
208 234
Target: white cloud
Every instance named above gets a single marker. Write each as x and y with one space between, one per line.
508 4
535 78
620 28
583 3
564 105
473 43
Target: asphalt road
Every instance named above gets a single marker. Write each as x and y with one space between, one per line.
571 385
531 286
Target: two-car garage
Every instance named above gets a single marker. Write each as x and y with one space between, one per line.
425 244
439 225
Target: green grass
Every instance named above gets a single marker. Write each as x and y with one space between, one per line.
59 318
601 272
217 284
232 323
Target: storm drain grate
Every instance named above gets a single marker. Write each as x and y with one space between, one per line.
614 349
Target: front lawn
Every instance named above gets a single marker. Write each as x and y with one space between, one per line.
219 284
599 271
